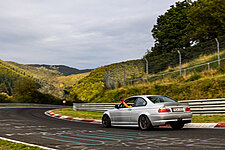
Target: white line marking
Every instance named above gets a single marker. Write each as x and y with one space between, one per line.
200 125
2 138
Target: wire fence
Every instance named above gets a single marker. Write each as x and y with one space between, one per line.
211 53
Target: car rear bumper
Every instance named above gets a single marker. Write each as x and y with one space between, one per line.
162 119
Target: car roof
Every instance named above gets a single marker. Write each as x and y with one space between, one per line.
144 95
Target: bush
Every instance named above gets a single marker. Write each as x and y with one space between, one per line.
26 92
4 98
221 69
194 77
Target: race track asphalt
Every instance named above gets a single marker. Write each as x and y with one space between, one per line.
31 125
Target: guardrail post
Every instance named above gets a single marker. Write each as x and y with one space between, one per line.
146 70
124 75
208 66
114 83
74 107
218 50
185 72
179 61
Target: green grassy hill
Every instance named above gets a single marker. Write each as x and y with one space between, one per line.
205 85
93 85
195 85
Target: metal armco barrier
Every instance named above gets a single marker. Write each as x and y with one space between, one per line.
198 107
207 106
98 107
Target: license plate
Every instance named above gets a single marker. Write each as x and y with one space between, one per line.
177 109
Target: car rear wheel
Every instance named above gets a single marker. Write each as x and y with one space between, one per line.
144 123
106 121
177 125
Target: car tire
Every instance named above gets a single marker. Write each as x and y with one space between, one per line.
144 123
106 121
177 125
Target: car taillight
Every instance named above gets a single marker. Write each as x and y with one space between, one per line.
187 109
161 110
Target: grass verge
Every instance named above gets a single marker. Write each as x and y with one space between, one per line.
79 114
6 145
97 115
208 119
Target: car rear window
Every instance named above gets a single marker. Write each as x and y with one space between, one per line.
160 99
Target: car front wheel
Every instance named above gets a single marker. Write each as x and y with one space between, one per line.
106 121
144 123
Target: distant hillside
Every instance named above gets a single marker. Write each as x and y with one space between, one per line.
45 79
22 83
69 81
65 70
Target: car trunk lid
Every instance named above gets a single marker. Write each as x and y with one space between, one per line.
176 107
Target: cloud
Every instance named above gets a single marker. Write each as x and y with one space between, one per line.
81 33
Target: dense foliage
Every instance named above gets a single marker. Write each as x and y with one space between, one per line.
170 28
191 28
188 22
207 20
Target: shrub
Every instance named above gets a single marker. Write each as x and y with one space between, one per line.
221 69
194 77
4 98
26 92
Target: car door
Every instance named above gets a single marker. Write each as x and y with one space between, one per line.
122 115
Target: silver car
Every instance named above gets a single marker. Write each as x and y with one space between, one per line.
148 111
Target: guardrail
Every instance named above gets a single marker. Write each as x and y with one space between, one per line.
32 104
198 107
97 107
207 106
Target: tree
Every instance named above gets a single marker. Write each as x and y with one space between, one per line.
25 91
207 20
171 27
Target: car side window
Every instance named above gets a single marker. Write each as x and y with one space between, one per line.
160 99
139 102
129 102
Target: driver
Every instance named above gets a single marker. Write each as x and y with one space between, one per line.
124 103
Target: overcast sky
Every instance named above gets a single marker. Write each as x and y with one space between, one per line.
77 33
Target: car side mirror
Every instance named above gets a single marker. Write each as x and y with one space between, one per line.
117 106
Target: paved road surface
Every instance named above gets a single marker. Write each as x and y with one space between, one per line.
32 126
